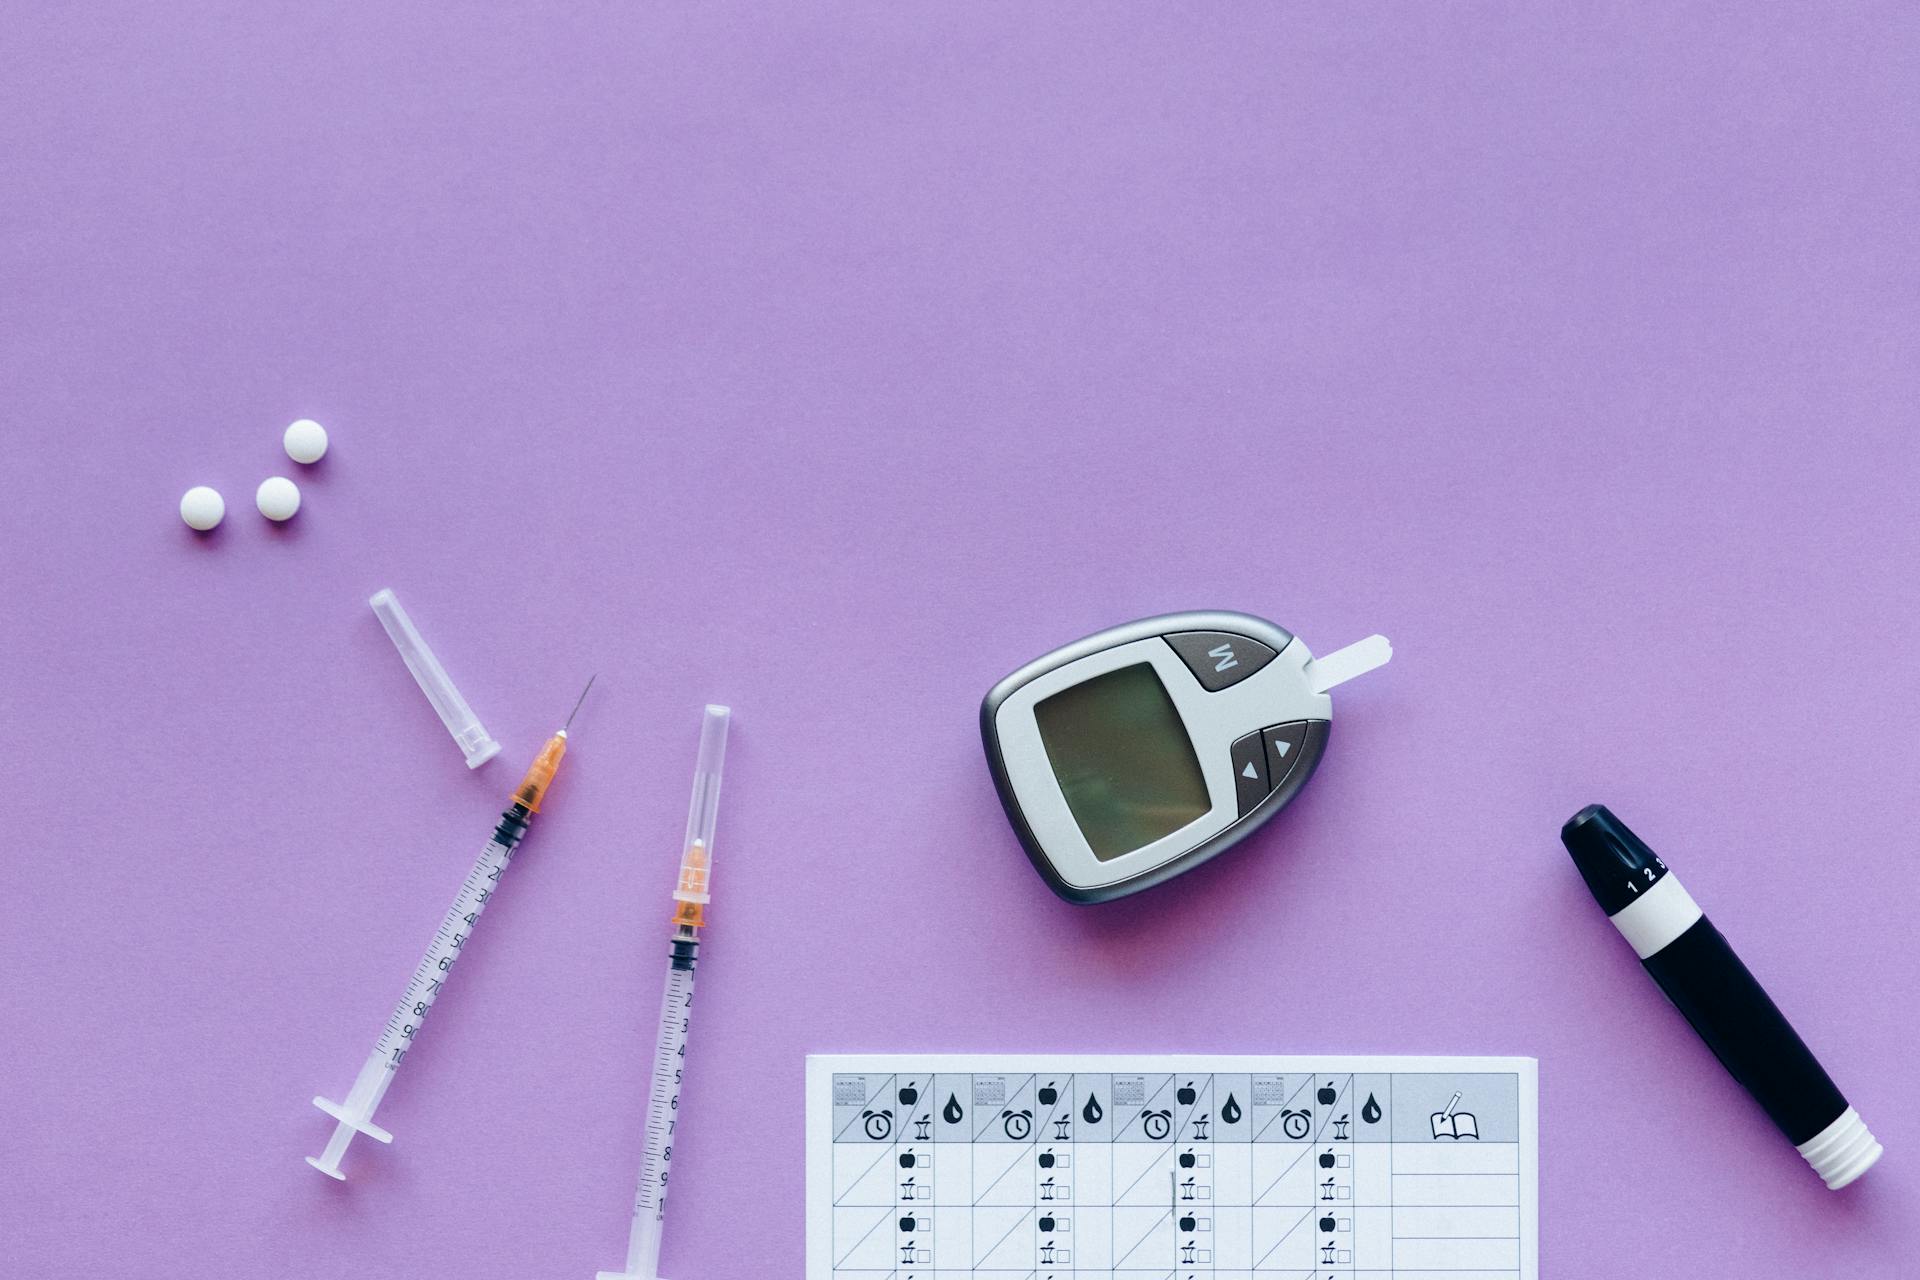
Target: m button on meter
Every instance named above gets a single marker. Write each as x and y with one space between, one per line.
1220 658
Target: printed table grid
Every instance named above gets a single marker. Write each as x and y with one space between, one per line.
1165 1175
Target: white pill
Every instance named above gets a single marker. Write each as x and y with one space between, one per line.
277 497
306 441
202 508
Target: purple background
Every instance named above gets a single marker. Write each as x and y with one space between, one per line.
831 365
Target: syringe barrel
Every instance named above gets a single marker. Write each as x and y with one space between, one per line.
696 853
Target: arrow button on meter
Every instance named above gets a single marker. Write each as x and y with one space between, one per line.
1285 745
1249 772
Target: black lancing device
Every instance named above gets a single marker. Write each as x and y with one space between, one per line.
1693 964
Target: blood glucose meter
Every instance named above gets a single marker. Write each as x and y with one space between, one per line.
1142 751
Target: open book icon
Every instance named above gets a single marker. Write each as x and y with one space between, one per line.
1455 1124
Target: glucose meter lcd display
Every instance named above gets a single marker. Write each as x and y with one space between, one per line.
1123 760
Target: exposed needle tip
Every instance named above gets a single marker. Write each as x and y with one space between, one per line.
576 705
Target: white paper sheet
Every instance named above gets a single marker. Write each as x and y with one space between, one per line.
1049 1167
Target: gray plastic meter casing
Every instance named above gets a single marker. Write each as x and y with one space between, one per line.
1240 687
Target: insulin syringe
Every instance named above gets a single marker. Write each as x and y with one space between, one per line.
355 1115
670 1051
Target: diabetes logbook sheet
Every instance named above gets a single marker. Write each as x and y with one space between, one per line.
1039 1167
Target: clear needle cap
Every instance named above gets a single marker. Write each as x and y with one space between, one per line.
696 858
468 733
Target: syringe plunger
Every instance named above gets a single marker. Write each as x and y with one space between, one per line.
355 1115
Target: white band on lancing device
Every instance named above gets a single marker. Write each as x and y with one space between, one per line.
1657 917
